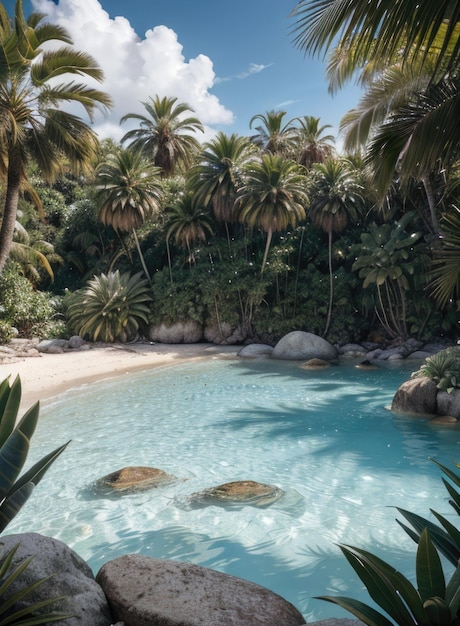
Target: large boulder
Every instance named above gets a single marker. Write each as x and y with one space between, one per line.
143 591
71 577
301 346
417 395
256 351
180 332
449 403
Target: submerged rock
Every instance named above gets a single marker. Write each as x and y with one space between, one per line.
315 364
242 492
129 479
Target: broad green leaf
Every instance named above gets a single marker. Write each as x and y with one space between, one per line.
12 504
430 576
438 612
10 412
37 471
362 611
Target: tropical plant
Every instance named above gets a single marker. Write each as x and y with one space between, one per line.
312 145
165 136
30 614
272 197
128 191
336 198
189 222
273 135
392 262
29 254
33 123
435 601
110 308
445 283
14 447
443 368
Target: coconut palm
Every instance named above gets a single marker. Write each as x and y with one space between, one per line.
165 135
312 145
128 191
380 30
273 134
189 222
33 123
273 196
337 199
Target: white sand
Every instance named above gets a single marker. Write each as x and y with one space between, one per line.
47 375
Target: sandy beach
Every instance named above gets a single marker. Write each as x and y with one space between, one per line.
47 375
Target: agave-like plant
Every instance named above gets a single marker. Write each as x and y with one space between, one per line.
443 368
14 447
30 614
435 601
110 308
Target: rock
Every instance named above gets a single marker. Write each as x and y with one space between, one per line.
417 395
219 333
256 351
134 479
247 492
71 577
299 345
366 365
53 346
333 621
314 364
181 332
448 403
143 591
419 354
352 350
445 419
76 342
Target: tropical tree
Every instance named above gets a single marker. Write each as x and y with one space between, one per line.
337 197
273 196
273 134
445 285
189 222
128 191
33 124
166 135
312 145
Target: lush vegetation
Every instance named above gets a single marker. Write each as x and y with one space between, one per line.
259 235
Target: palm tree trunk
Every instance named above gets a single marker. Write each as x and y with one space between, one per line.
11 207
267 248
141 256
331 285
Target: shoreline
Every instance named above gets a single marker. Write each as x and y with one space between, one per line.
45 376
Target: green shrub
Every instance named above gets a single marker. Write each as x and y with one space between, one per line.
110 308
443 368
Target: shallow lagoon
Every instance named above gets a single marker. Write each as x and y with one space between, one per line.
324 437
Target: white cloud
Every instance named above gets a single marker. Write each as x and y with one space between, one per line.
136 69
254 68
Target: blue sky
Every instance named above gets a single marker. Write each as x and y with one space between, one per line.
229 61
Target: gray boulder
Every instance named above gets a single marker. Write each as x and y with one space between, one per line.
417 395
256 351
181 332
71 577
299 345
53 346
143 591
449 403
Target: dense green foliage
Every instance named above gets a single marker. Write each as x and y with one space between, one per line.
443 368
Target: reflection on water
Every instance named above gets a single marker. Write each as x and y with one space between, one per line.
323 437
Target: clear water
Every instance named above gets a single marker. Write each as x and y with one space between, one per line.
324 437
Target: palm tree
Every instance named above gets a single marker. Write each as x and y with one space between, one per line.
32 122
273 135
380 30
189 222
312 146
128 191
272 197
337 197
165 135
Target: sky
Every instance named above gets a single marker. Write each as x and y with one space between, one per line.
228 60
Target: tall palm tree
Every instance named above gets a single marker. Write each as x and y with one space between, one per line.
273 134
128 191
273 196
165 135
337 197
312 145
189 222
32 122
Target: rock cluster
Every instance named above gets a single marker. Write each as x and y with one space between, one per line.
420 396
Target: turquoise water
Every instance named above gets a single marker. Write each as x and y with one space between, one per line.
324 437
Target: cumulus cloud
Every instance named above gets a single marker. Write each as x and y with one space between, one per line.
137 68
